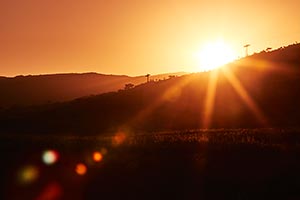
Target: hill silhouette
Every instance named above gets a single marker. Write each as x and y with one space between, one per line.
42 89
261 90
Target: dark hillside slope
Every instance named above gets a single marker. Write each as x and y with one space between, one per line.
262 90
42 89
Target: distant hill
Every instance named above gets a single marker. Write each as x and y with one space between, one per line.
261 90
42 89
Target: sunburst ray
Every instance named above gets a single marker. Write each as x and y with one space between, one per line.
210 98
243 94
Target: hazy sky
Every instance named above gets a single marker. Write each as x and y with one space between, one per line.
135 37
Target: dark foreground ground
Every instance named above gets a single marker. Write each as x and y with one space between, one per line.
200 164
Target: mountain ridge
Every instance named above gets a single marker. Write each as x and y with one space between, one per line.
250 93
41 89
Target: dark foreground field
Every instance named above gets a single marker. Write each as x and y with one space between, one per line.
200 164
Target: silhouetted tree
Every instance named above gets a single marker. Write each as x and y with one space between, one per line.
128 86
148 76
268 49
246 49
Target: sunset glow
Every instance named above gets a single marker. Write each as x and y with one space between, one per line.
135 37
150 99
214 55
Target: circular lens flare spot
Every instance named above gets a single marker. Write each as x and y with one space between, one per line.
81 169
97 156
28 174
103 151
118 138
51 191
50 157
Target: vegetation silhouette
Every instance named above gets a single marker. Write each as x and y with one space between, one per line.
246 46
46 89
147 76
271 80
177 162
128 86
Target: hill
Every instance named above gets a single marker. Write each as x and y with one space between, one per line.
261 90
42 89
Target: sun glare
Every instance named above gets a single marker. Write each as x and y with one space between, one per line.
214 55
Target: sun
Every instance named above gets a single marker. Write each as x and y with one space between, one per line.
214 55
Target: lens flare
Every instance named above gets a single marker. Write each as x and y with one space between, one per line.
50 157
97 156
81 169
51 191
118 139
28 174
103 151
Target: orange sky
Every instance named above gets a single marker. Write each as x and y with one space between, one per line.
134 37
